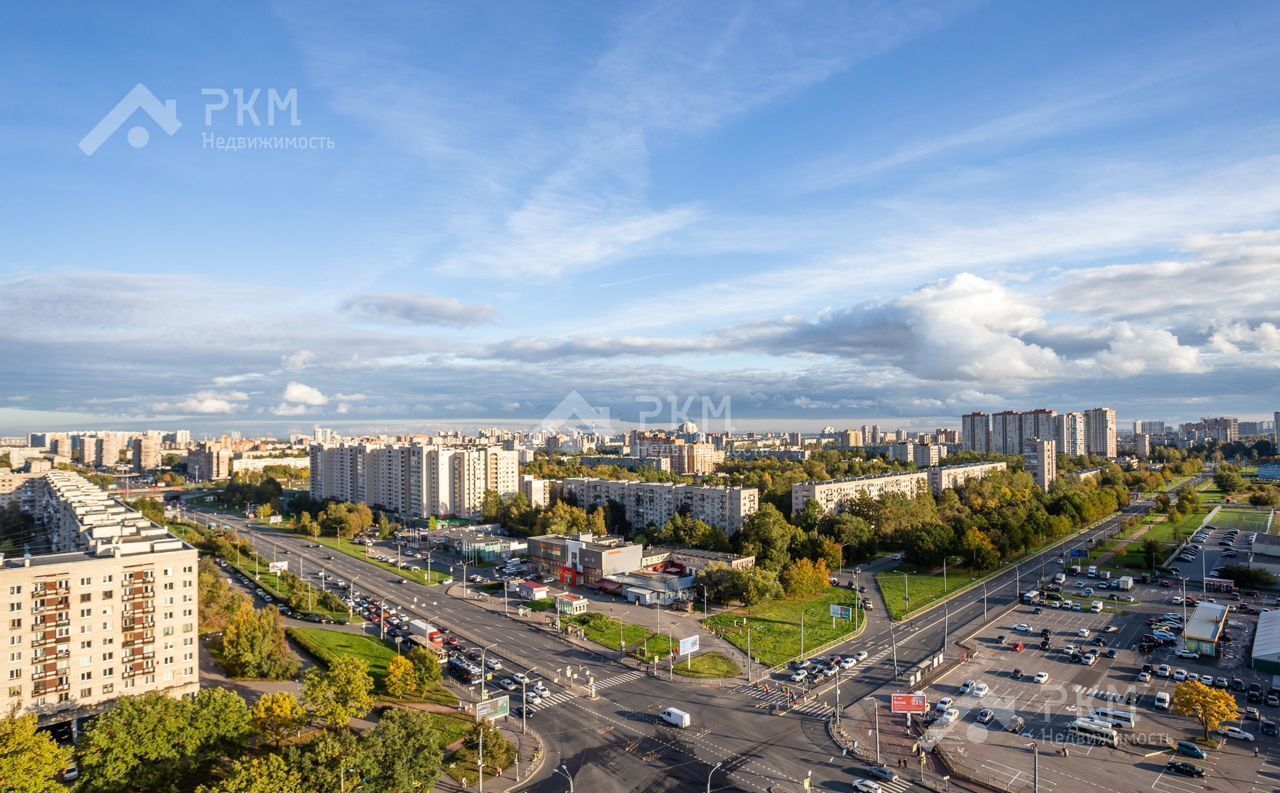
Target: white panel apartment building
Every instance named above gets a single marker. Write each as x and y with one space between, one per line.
1069 435
1100 432
413 480
653 504
106 607
834 494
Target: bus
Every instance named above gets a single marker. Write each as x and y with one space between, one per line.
1093 731
466 672
1124 719
1030 597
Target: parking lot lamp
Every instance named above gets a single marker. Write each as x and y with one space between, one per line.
564 771
484 670
906 593
712 771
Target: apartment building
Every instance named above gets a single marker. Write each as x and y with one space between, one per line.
1006 433
1069 435
945 477
976 432
1100 432
835 494
413 480
536 491
1039 423
209 462
108 609
648 504
1041 461
1142 445
146 454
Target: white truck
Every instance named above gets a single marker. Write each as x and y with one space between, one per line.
676 717
1093 571
1124 582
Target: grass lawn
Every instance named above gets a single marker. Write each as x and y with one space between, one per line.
923 588
1209 493
605 630
328 644
357 551
775 625
462 766
1242 519
1168 532
708 667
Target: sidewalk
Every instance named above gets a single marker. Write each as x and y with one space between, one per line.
531 756
688 623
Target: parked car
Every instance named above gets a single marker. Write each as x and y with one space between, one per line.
1232 731
1186 769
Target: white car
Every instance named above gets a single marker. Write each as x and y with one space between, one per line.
521 677
985 716
944 704
1231 731
860 656
1185 653
799 676
1022 627
1176 600
967 686
866 786
1163 670
532 698
1041 677
1144 677
541 688
980 690
1083 633
1179 675
848 662
953 714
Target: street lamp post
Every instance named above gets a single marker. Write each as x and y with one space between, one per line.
622 648
1035 768
704 600
712 771
564 771
484 669
524 704
906 593
750 661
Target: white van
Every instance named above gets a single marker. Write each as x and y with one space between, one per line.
676 717
1093 571
1060 578
1162 700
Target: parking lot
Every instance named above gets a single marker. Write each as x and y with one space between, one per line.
1040 712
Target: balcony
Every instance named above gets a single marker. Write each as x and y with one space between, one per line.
61 604
45 641
54 689
137 655
138 624
134 671
52 621
136 593
138 641
45 674
146 607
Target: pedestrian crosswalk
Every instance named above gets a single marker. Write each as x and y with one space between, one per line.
618 679
816 708
555 699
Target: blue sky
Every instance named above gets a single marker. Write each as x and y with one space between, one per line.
829 213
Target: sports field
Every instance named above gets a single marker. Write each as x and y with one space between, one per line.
1242 519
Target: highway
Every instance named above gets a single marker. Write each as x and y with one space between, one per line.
616 743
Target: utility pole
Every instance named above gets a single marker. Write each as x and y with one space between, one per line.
750 661
480 763
893 640
802 635
984 601
876 711
1035 768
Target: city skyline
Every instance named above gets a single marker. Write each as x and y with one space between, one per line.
828 216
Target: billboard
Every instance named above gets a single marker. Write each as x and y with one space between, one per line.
278 567
689 644
1079 553
493 708
908 703
841 612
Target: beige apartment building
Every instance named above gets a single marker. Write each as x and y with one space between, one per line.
105 607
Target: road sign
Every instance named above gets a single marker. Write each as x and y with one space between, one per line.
493 708
908 703
689 644
1079 553
841 612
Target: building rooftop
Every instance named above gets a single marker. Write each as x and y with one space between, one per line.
1206 622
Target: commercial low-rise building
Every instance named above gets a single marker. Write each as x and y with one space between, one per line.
1204 629
583 560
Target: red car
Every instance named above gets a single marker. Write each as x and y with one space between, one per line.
1018 647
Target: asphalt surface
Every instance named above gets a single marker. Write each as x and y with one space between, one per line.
616 742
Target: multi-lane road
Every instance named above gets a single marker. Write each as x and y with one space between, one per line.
615 742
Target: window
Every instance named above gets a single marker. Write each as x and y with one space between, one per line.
15 639
85 644
86 582
15 691
85 597
108 672
17 606
38 702
106 579
107 642
85 660
188 569
106 626
108 656
107 688
106 611
86 613
15 656
86 628
85 693
86 676
15 623
16 589
168 586
168 571
108 594
14 674
168 630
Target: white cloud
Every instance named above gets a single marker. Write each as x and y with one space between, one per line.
205 403
284 409
343 408
297 360
1133 351
301 394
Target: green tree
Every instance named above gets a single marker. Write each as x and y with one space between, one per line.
758 585
404 752
267 774
279 715
595 523
1151 552
254 646
221 723
218 601
562 518
1229 482
426 669
29 760
400 680
499 754
978 549
340 694
928 544
141 744
767 536
333 761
